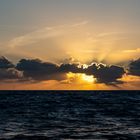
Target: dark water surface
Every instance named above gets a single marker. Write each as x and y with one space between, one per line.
44 115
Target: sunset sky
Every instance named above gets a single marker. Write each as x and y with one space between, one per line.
70 44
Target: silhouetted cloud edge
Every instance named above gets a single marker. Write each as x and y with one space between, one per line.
38 70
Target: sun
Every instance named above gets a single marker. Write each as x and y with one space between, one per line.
80 78
89 79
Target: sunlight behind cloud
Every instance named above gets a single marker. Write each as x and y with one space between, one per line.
80 78
89 79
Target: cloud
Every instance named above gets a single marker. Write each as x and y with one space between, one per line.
10 74
74 68
5 64
43 33
105 34
33 37
80 23
134 67
132 51
8 71
37 70
104 73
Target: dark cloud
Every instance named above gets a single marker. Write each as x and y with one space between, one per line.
10 74
74 68
38 70
8 71
134 67
105 74
5 63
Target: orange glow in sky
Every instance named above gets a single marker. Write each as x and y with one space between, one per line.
82 32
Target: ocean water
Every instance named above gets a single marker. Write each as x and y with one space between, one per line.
56 115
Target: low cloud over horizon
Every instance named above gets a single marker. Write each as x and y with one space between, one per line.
35 70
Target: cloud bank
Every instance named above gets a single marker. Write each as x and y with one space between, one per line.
37 70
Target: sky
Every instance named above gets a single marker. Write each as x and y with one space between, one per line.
70 44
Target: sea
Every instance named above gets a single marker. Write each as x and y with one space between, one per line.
69 115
